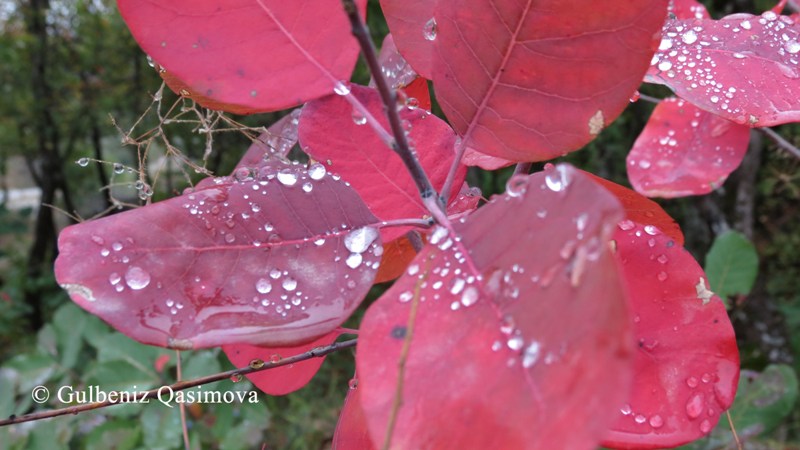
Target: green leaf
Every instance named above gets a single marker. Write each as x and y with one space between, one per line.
731 265
161 426
117 435
118 347
69 323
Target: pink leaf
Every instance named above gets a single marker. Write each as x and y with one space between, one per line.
684 150
254 261
278 140
395 68
246 56
529 81
687 366
351 430
473 157
521 308
743 67
328 131
641 209
280 380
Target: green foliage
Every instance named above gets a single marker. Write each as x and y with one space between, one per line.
731 265
763 402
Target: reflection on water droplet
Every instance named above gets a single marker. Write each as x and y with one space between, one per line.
640 418
470 296
531 354
656 421
792 46
515 342
137 278
406 296
517 185
289 284
691 382
358 118
430 29
353 383
626 410
695 406
626 225
274 274
705 426
83 162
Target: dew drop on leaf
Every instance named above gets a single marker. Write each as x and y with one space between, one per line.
341 88
263 286
83 162
358 240
430 29
354 260
316 171
287 177
137 278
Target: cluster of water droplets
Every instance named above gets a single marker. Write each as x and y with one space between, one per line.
694 54
116 254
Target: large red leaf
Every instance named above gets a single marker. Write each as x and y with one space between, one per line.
246 56
742 67
280 380
277 260
522 329
641 209
328 132
687 366
351 430
530 81
684 150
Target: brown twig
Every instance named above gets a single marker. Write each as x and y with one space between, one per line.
182 385
389 97
780 141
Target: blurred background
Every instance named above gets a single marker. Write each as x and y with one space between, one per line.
82 135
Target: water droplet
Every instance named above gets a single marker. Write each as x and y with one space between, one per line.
640 418
664 65
114 278
666 43
353 383
83 162
531 354
705 426
430 29
651 230
517 185
663 259
406 296
691 382
695 406
470 296
263 286
230 238
287 177
413 269
656 421
341 88
358 240
689 37
236 378
626 225
626 410
289 284
104 252
792 46
316 171
354 260
137 278
118 168
515 342
358 118
274 274
557 179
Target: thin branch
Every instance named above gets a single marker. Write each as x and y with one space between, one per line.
419 223
780 141
182 406
650 99
401 363
182 385
523 168
733 430
389 96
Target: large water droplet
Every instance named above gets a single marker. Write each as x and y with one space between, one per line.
430 29
531 354
695 406
289 284
263 286
517 185
83 162
316 171
354 260
341 88
557 178
656 421
287 177
792 46
137 278
689 37
470 296
358 240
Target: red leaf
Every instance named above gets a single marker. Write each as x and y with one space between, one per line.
397 254
521 308
529 81
395 68
641 209
418 90
742 67
280 380
279 138
161 362
329 132
245 261
473 157
684 150
351 430
687 366
247 56
688 9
